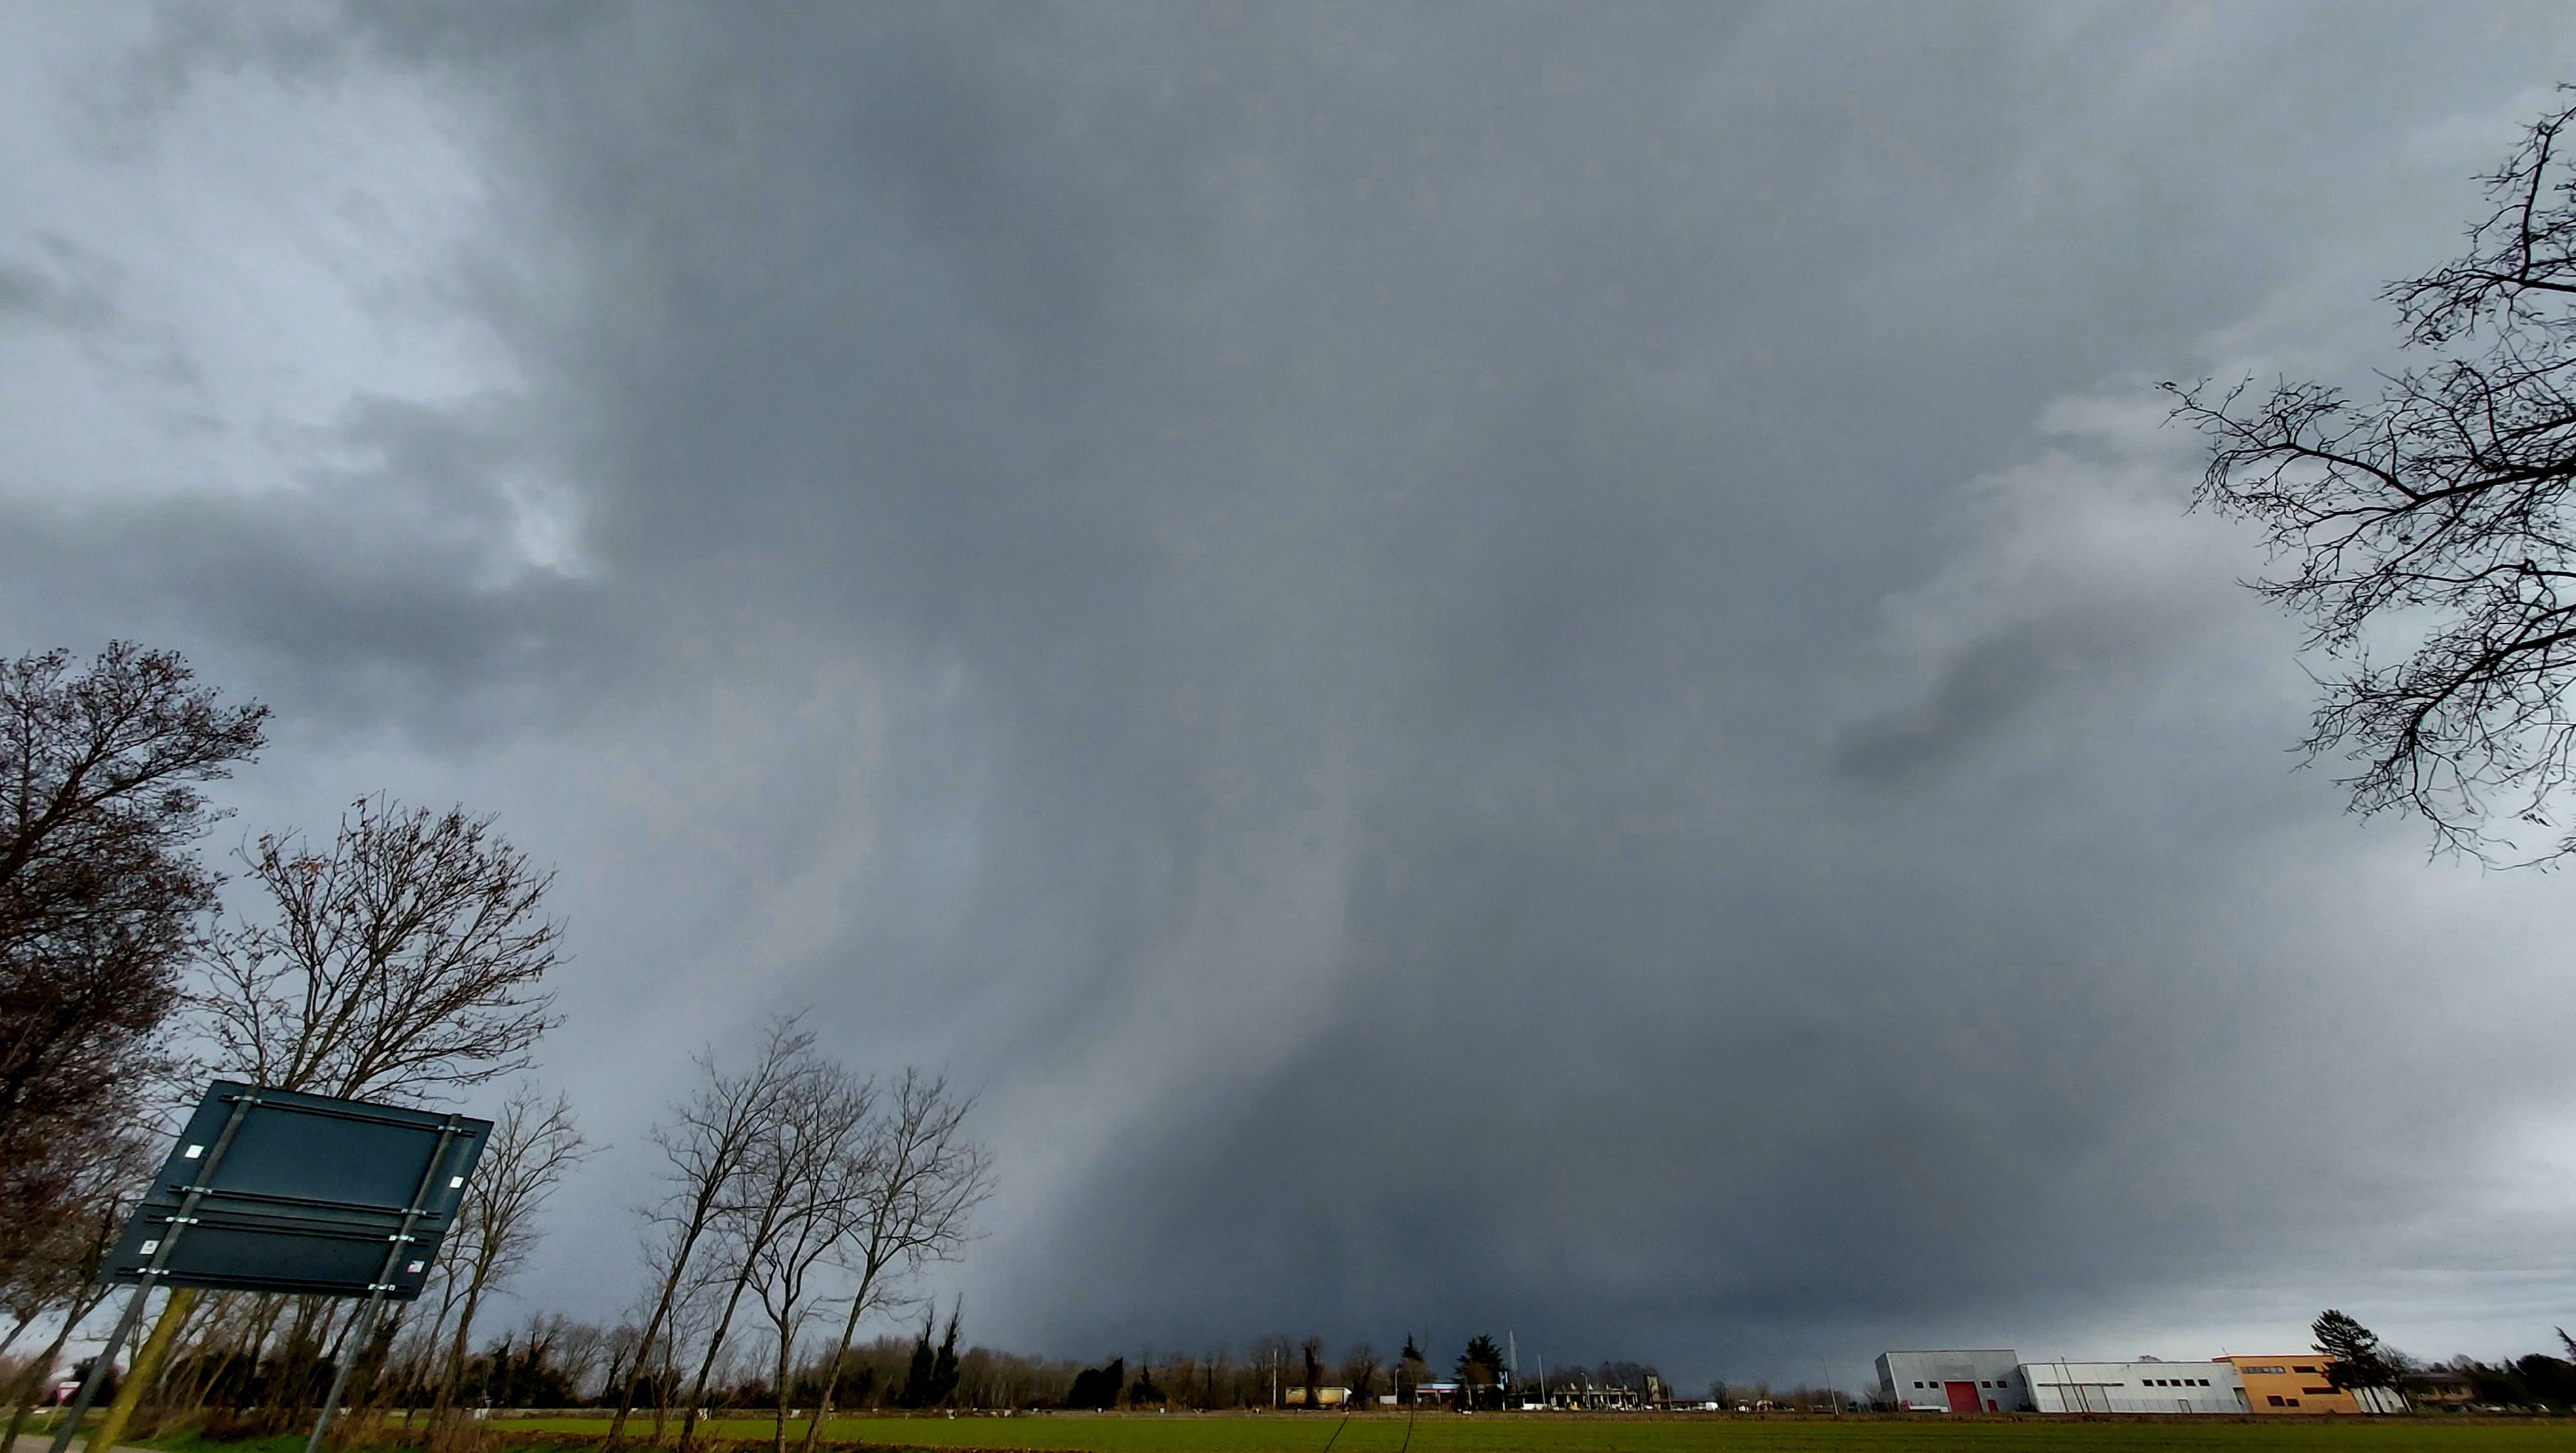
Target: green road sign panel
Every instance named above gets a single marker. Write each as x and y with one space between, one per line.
275 1191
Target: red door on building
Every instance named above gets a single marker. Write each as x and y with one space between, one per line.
1963 1396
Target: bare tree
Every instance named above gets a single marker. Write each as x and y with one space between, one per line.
708 1144
2442 512
927 1177
403 960
760 1206
534 1143
101 895
690 1320
1359 1371
61 1271
1269 1358
825 1159
580 1351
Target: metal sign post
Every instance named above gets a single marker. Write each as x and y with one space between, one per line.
177 1224
281 1192
364 1328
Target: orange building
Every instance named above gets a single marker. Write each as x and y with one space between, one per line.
2294 1382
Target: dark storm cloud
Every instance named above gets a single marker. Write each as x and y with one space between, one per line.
378 590
30 295
1990 681
1286 587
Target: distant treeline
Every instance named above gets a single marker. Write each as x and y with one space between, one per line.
553 1361
2536 1380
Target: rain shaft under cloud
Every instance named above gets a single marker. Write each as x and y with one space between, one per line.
1495 668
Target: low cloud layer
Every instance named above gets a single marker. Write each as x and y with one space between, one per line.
1493 668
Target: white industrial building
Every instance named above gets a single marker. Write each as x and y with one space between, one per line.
1984 1380
1996 1380
2136 1387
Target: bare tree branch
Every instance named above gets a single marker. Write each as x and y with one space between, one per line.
404 959
925 1180
534 1144
709 1143
101 902
2441 514
820 1164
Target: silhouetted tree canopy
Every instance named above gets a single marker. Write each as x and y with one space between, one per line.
405 958
2359 1359
1093 1387
1480 1367
101 897
934 1373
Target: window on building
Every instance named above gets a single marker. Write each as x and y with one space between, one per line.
2318 1392
2302 1369
2276 1400
2294 1402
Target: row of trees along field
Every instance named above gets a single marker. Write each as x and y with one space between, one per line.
1278 1370
404 959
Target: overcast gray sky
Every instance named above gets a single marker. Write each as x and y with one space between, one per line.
1493 667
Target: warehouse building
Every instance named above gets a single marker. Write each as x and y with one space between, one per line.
2135 1387
1996 1380
1977 1381
2295 1383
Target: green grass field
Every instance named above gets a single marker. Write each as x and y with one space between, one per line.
1716 1432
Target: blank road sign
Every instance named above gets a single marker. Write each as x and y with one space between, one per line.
305 1197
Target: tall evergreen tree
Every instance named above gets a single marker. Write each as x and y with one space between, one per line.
916 1382
943 1368
1409 1369
2359 1359
1146 1392
1480 1369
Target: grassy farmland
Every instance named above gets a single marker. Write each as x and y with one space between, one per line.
1719 1433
